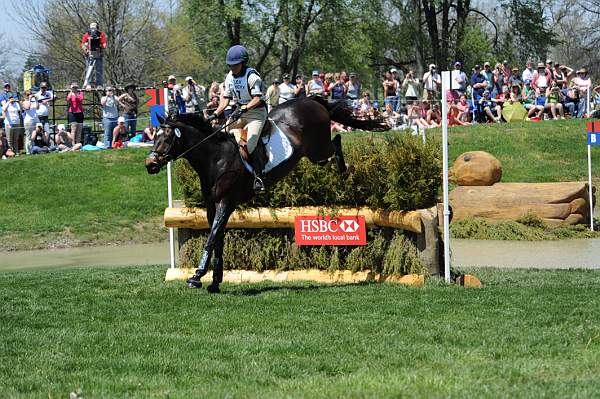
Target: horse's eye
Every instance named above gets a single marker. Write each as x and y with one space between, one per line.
177 132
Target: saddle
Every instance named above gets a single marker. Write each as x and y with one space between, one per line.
259 157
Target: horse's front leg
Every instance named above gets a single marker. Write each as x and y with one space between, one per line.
339 154
217 277
215 239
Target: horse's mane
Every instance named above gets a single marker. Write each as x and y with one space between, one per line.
194 120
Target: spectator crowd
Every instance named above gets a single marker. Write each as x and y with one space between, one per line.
549 90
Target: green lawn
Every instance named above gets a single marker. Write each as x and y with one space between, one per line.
107 197
126 333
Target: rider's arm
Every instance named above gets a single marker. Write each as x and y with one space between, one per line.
223 103
253 103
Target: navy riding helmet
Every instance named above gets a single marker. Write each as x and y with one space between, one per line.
236 54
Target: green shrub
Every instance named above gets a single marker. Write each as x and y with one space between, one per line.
257 249
400 173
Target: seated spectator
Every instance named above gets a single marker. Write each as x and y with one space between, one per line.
119 134
464 114
286 89
478 83
503 97
432 83
515 78
456 112
417 114
528 95
40 141
569 98
488 107
391 117
65 140
411 87
553 101
365 107
434 116
539 105
337 88
5 149
515 94
596 95
315 86
149 134
583 84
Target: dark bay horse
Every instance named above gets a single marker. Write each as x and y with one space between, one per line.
225 183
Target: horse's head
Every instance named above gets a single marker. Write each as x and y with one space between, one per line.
174 136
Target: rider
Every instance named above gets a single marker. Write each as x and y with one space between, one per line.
244 85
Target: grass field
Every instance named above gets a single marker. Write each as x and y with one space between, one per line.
126 333
97 198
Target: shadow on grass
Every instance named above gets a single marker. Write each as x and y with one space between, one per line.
274 287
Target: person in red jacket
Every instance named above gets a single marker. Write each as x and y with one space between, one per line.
93 44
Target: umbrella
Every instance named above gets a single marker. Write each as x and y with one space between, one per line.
514 112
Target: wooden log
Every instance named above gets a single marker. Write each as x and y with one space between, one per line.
555 203
260 218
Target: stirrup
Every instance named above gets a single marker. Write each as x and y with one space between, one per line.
259 185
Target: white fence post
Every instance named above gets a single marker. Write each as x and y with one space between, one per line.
445 89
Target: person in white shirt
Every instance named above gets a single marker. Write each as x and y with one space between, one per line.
194 96
12 122
272 97
30 107
432 83
315 86
286 90
45 98
244 85
528 72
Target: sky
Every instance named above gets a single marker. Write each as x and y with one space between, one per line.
17 32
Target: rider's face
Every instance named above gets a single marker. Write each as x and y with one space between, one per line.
236 68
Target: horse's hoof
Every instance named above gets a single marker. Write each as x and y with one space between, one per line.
213 289
193 283
350 169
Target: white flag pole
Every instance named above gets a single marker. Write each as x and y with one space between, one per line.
445 90
169 190
590 187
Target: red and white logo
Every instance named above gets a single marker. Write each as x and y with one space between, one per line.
325 230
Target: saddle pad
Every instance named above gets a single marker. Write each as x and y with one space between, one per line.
277 147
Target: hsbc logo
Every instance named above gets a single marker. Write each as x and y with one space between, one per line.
349 226
341 230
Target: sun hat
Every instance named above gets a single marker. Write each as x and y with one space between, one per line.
477 66
61 127
121 119
486 64
431 66
39 125
393 70
315 73
457 63
286 76
541 65
189 78
171 77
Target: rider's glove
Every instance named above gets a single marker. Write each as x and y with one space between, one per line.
211 117
237 113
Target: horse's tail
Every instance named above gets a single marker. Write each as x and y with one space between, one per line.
341 113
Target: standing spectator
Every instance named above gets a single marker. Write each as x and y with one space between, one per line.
561 74
315 86
499 78
549 64
12 122
5 149
432 82
75 110
398 76
460 80
540 79
353 87
129 102
65 140
327 80
286 90
345 77
528 72
389 90
110 113
584 85
119 134
93 44
478 82
44 97
366 108
301 89
40 140
410 85
194 96
515 78
30 106
6 94
489 76
338 88
272 96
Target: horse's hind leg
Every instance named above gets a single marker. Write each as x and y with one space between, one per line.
338 154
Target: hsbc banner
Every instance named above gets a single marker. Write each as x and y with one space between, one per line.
325 230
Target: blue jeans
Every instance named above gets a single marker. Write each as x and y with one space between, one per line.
582 106
99 69
109 125
42 150
130 123
393 100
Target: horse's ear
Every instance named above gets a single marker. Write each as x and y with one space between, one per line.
161 120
